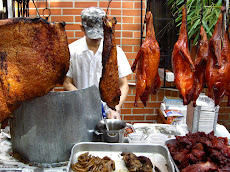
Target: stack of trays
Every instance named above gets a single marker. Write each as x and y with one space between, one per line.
203 117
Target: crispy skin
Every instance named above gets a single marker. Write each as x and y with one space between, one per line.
147 59
182 64
200 64
109 82
34 57
218 66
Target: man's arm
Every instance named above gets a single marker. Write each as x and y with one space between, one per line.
68 84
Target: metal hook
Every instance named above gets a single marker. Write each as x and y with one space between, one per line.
108 6
46 17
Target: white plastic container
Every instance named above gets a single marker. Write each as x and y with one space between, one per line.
157 138
137 138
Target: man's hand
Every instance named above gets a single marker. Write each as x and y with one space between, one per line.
111 114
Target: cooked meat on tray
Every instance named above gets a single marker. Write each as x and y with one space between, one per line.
147 62
182 64
137 163
218 66
34 58
205 152
109 82
87 162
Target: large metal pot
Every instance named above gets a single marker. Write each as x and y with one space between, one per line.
114 133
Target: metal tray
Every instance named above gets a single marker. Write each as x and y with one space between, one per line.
158 154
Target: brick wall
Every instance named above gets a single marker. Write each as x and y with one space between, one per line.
128 34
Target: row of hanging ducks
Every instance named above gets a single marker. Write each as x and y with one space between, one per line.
211 67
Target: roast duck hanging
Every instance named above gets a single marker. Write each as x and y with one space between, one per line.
182 64
34 58
218 65
109 82
147 62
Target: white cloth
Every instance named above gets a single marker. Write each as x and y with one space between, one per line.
86 67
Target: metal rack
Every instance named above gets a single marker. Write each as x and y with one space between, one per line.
165 29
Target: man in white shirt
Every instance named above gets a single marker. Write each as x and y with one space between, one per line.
86 60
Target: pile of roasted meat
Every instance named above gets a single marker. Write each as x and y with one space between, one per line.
87 162
200 152
34 58
212 64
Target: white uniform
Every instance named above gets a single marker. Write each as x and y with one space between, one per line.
86 67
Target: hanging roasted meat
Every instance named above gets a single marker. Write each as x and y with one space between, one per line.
218 66
147 59
182 64
200 64
34 58
109 82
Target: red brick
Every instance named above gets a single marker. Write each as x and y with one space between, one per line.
127 34
137 34
125 111
127 48
143 111
113 4
127 41
151 117
138 5
127 5
70 33
134 117
153 97
115 12
136 48
130 98
72 27
38 4
131 27
72 11
127 19
133 12
85 4
78 18
61 4
160 95
62 18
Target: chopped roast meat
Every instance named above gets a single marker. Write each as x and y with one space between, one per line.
137 164
200 64
147 59
109 82
34 58
201 167
182 64
218 66
87 162
206 153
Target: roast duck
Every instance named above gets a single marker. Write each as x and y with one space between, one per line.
109 82
34 58
147 62
200 64
182 64
218 65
